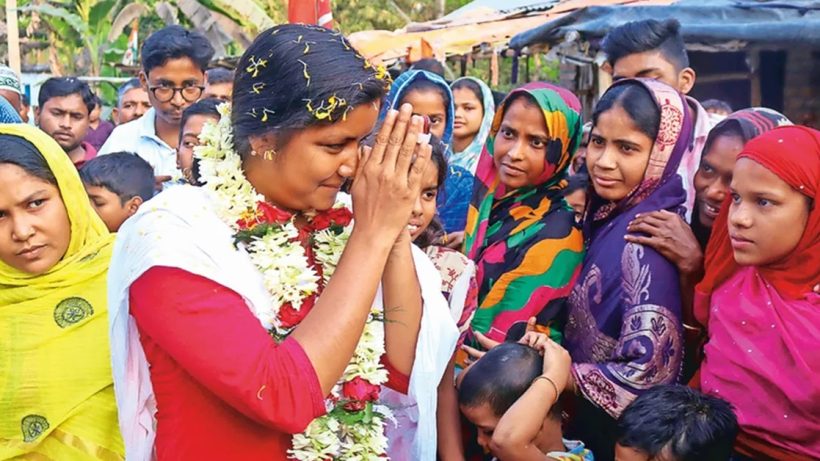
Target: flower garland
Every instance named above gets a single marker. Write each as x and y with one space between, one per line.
296 263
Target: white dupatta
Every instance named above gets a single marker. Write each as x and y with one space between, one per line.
180 229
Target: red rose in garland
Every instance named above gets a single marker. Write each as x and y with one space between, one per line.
270 214
360 390
334 216
264 213
289 317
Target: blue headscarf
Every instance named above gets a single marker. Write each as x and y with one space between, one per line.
468 158
7 112
458 185
399 89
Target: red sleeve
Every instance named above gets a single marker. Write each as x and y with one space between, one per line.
210 332
396 380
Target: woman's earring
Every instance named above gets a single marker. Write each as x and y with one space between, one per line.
267 155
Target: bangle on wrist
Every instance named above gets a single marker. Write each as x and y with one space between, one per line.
554 386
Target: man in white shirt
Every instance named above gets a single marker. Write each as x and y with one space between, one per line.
174 61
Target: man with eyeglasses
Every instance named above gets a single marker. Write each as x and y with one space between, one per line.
174 61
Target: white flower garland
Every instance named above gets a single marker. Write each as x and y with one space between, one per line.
289 278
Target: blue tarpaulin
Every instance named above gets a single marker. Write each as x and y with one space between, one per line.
775 22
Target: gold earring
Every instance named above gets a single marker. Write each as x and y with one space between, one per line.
267 155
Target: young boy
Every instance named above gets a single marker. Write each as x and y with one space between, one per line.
173 72
193 119
98 129
218 84
676 423
63 113
511 395
117 184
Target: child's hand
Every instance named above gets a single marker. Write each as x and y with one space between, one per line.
535 340
485 342
557 363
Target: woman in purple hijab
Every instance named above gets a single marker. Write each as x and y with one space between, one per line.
624 330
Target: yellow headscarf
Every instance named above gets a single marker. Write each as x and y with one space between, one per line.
56 389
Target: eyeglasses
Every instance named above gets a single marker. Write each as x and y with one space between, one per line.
166 93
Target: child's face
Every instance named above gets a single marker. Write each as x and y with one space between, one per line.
469 114
431 104
425 208
108 205
521 145
175 73
190 139
767 217
578 201
485 420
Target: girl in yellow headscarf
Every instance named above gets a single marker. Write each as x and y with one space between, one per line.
56 388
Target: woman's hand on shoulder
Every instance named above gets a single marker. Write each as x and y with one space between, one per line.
668 234
388 177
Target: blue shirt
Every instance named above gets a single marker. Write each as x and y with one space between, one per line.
140 137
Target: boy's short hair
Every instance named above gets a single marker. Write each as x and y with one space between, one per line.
175 42
57 87
123 173
578 181
430 65
218 75
501 377
682 422
647 35
202 107
125 88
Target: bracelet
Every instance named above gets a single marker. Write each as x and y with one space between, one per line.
554 386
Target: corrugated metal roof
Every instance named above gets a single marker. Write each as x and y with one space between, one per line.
458 35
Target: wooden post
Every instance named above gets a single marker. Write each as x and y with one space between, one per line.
13 35
756 95
494 69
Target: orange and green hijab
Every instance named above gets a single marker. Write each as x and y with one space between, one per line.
525 243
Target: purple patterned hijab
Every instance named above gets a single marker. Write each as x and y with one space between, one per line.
624 331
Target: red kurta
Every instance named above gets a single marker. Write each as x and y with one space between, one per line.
224 388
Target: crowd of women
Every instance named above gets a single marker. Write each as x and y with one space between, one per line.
354 246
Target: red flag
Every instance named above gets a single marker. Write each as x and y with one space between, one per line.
311 12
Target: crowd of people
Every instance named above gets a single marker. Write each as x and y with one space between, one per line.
308 258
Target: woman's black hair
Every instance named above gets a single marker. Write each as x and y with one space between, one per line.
467 84
435 231
18 151
422 85
638 103
729 128
294 76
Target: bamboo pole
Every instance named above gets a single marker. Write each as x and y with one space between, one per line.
13 35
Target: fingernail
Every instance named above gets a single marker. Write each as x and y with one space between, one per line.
393 112
638 215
